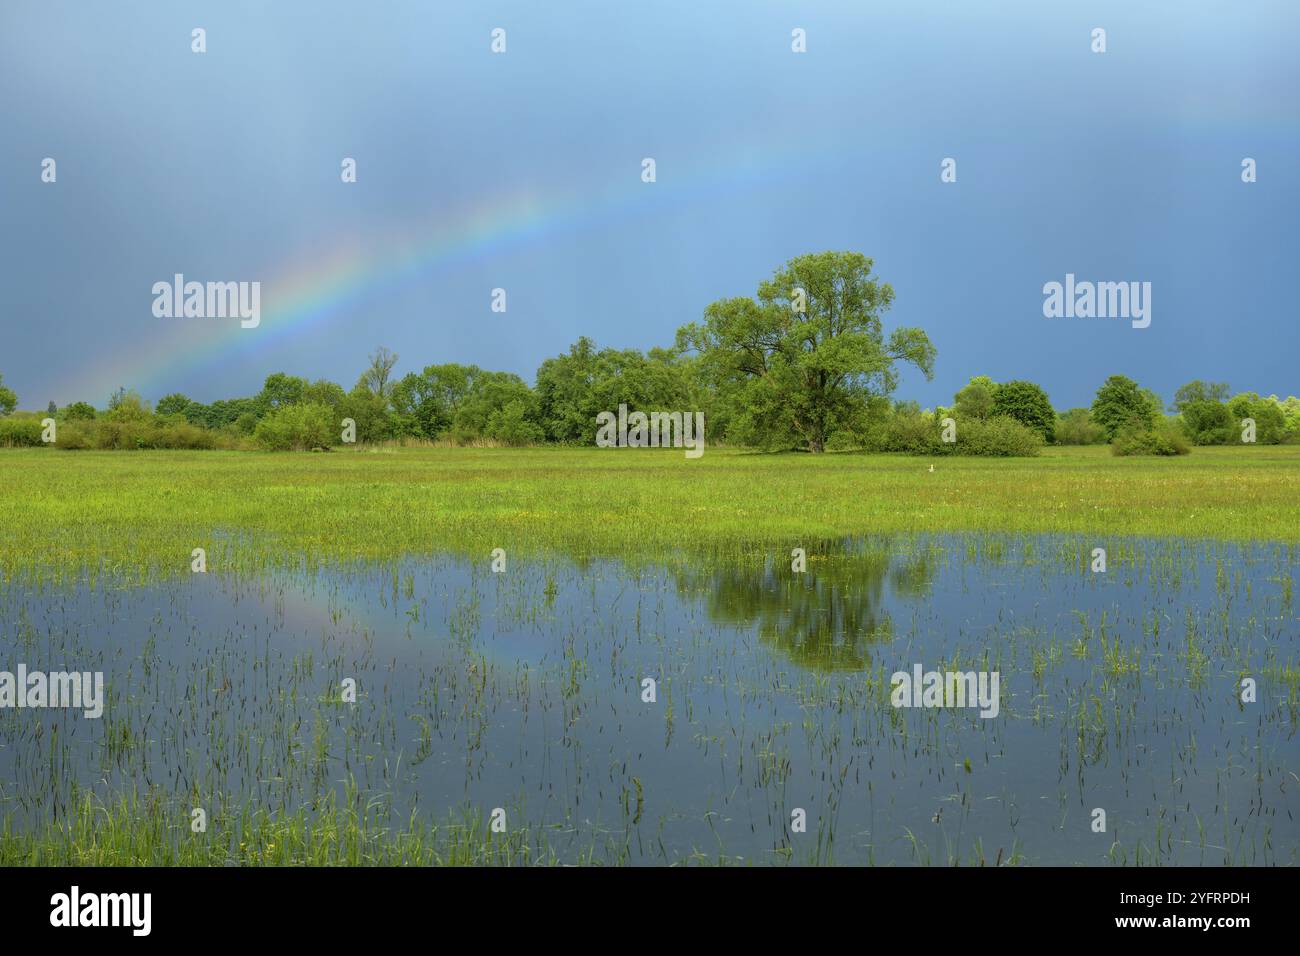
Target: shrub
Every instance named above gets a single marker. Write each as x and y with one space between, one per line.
998 437
906 429
910 430
20 432
76 435
1076 427
1161 439
297 427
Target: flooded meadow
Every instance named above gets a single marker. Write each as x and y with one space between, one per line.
712 711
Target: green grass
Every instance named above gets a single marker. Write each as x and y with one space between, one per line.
140 514
156 832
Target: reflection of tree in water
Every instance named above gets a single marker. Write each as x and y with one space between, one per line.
825 618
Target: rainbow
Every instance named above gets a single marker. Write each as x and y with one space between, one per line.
311 292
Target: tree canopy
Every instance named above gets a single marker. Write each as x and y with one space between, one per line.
805 357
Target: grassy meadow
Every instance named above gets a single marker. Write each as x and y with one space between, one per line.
140 515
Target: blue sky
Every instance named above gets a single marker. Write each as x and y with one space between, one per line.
522 171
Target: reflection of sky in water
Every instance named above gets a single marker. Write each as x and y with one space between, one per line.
523 690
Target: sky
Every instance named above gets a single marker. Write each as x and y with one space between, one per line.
522 170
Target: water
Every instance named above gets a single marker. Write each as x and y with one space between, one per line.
524 690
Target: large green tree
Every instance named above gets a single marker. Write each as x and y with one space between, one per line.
805 358
1028 404
1203 409
1119 404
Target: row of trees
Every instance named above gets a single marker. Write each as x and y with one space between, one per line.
1201 412
805 363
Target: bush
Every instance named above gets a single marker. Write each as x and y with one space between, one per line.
297 428
1076 427
1161 439
139 434
998 437
77 435
908 429
20 432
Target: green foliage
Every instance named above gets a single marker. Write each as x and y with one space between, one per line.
127 406
1290 416
1000 437
371 413
908 429
8 400
511 424
221 414
79 411
20 433
280 390
425 405
1270 421
1207 422
1120 404
497 406
1163 438
137 434
975 400
1076 427
796 377
297 428
573 389
1026 403
173 404
1198 391
324 392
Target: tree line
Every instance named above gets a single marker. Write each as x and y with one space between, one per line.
805 363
